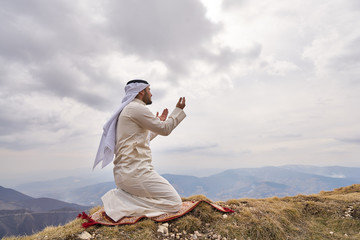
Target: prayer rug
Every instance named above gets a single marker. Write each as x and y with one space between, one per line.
100 217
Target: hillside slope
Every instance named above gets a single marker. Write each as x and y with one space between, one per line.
22 214
327 215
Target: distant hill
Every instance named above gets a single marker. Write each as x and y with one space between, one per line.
238 183
56 187
90 195
326 215
266 181
330 171
9 195
21 214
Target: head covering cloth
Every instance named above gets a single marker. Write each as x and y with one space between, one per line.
105 153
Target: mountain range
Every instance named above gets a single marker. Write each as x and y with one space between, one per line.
21 214
266 182
261 182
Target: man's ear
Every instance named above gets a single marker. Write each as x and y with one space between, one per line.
140 94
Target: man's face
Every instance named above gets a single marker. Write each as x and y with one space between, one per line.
147 96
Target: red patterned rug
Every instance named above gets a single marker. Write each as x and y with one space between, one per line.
100 217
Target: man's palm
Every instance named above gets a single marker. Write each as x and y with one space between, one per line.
164 114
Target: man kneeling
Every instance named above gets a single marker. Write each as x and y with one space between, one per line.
140 191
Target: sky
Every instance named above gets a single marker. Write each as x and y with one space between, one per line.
267 83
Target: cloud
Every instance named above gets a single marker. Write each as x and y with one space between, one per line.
224 57
66 80
40 30
349 140
287 136
54 44
21 113
231 4
170 31
42 123
177 33
186 149
348 57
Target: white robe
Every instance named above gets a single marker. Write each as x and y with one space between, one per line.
140 190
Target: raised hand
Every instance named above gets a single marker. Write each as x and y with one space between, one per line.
181 103
163 115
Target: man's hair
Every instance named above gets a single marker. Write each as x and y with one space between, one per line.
137 81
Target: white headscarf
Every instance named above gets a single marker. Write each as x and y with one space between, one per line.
106 149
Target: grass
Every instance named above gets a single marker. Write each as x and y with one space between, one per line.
327 215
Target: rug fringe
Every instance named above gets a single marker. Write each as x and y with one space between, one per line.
220 208
90 222
228 210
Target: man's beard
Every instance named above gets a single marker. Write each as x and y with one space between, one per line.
147 99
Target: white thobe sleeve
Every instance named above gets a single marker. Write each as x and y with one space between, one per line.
144 117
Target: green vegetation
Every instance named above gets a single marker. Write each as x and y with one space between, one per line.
327 215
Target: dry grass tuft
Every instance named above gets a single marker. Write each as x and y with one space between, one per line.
188 223
206 213
355 188
94 209
196 198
